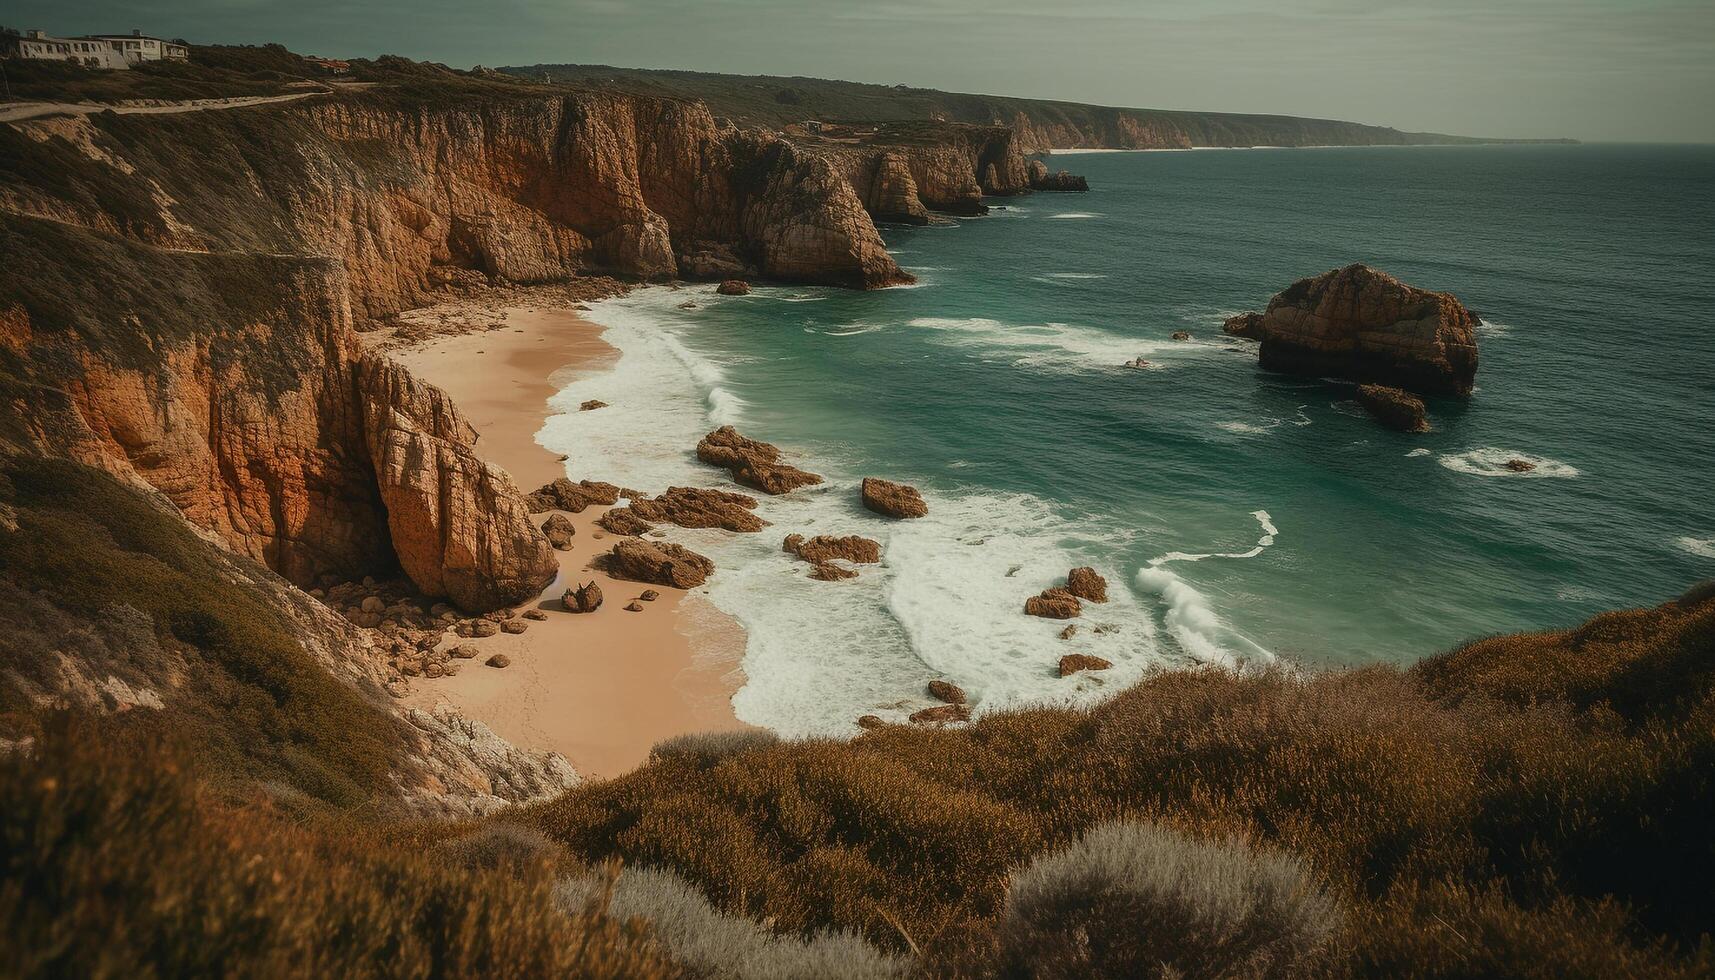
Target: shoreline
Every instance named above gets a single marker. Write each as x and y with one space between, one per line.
600 688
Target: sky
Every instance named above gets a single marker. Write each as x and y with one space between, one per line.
1587 69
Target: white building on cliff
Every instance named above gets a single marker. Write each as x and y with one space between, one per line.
92 51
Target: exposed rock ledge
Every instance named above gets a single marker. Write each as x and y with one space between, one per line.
1364 325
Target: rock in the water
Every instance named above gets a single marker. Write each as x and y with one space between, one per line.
624 520
1071 663
892 499
942 714
893 192
634 606
582 599
1364 325
514 626
827 571
1042 180
1181 335
752 463
1087 584
563 494
1520 465
499 660
1070 631
699 507
1395 408
460 528
658 563
559 531
733 287
946 691
853 548
871 723
592 405
1055 603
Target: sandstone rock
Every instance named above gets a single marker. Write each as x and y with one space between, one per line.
892 499
563 494
433 670
499 660
1365 325
1520 465
1055 603
824 571
711 260
634 606
821 548
698 507
942 714
1181 335
752 463
733 287
649 595
534 614
514 626
870 723
658 563
1072 663
893 192
1070 631
1399 410
1042 180
478 628
584 598
624 520
459 526
592 405
946 691
1087 584
464 651
373 604
559 531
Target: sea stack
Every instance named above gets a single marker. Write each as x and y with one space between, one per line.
1366 326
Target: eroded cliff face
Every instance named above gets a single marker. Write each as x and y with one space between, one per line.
906 170
181 292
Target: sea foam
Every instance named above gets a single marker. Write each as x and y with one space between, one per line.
1489 461
1054 346
1191 619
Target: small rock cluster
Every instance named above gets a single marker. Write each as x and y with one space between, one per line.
752 463
406 629
823 550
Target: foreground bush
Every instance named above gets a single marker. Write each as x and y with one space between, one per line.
1137 900
1546 792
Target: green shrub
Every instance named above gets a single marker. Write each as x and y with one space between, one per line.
1134 900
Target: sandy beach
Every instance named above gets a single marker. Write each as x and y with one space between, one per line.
599 688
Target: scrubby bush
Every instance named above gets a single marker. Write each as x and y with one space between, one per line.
707 748
502 846
1133 899
720 945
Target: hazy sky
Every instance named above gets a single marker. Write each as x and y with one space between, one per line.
1592 69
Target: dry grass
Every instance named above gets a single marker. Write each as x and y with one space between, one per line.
1517 808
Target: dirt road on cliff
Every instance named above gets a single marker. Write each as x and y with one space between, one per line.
22 111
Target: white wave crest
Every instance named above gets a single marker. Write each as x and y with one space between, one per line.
1701 547
1488 461
1191 619
1061 346
1074 215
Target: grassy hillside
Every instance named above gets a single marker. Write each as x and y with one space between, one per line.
772 101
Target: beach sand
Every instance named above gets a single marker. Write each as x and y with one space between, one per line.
599 688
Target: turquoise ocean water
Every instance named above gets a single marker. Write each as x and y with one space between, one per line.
1239 516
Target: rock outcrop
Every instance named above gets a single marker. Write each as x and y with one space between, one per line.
904 170
853 548
1087 584
622 520
1073 663
584 598
899 500
559 531
695 507
459 526
893 193
1054 603
1061 180
752 463
1364 325
1399 410
733 287
658 563
946 691
563 494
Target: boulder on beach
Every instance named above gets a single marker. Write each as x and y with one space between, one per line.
584 598
1395 408
634 606
559 529
1364 325
700 507
624 520
891 499
1072 663
499 660
658 563
752 463
592 405
1055 603
733 287
1087 584
563 494
946 691
649 595
514 626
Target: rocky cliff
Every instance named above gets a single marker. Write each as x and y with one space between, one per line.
903 171
180 295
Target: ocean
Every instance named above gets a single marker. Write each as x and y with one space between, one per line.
1240 517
